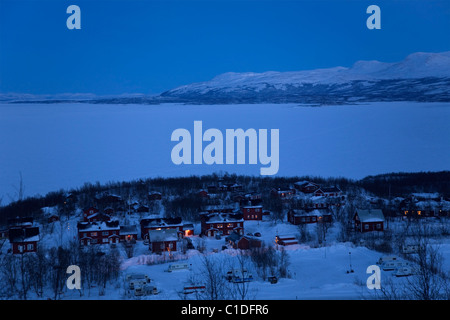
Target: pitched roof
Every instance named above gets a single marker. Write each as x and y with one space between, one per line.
370 215
163 235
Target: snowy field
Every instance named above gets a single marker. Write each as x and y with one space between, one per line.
58 146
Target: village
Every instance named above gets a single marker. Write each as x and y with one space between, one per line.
231 219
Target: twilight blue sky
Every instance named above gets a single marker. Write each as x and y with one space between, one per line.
140 46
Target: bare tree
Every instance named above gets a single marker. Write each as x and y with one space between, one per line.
217 287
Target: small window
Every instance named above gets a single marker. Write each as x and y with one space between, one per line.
30 247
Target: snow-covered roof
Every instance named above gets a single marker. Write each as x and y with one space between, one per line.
129 229
370 215
163 235
223 217
86 226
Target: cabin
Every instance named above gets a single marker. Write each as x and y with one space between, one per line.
162 240
236 187
282 193
203 194
251 199
285 240
161 224
98 233
143 209
222 224
368 220
52 218
108 198
23 239
306 186
128 234
152 196
245 242
188 229
306 216
328 192
109 211
89 212
252 212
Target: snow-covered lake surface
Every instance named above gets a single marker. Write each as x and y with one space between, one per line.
58 146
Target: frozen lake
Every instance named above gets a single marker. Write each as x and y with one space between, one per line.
58 146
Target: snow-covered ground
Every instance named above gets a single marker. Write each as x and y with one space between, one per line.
58 146
315 272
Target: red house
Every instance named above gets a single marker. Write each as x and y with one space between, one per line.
282 193
222 224
368 220
88 213
23 240
161 224
154 196
163 240
328 192
238 241
252 212
203 194
128 234
306 216
306 186
286 240
98 233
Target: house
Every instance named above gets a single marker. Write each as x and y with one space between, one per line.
305 216
188 229
328 192
23 239
238 241
152 196
109 211
306 186
285 240
222 224
161 224
162 240
98 232
20 222
236 187
128 233
368 220
52 218
143 209
203 194
252 212
282 193
212 189
108 198
89 212
252 199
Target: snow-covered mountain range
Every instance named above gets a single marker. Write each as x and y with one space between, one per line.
420 76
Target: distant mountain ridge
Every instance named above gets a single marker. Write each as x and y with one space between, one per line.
421 76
